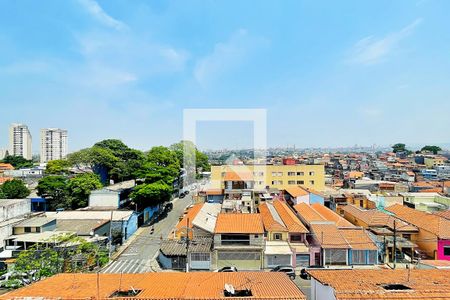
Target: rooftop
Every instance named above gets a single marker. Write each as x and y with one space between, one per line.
296 191
81 227
289 218
270 218
238 176
207 216
35 222
162 286
330 215
239 223
372 284
432 223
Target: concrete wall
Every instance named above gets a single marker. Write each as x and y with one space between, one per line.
104 198
320 291
14 209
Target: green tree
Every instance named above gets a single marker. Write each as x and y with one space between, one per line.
58 167
399 147
54 188
151 194
187 154
17 162
433 149
80 187
14 189
161 165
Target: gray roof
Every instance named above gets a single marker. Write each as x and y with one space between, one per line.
81 227
207 216
35 222
178 248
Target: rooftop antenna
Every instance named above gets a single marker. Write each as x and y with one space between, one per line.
229 288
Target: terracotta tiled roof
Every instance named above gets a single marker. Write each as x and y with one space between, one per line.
376 218
307 213
238 176
426 221
328 235
162 286
214 192
368 284
4 166
296 191
5 179
239 223
289 218
358 238
188 218
270 224
443 214
330 215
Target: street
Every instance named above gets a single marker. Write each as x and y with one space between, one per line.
139 255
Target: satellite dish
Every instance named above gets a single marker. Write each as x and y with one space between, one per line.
229 288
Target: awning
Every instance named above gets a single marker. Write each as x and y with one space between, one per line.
277 247
300 248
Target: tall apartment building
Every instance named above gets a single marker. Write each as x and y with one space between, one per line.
53 144
272 176
20 141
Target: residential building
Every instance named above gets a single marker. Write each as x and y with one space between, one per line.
12 211
35 225
425 201
20 141
163 286
113 196
54 144
35 172
239 241
434 231
273 176
382 226
379 284
172 254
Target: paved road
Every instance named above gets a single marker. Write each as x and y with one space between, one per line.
137 258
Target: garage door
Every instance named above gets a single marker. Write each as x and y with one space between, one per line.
240 260
302 260
278 260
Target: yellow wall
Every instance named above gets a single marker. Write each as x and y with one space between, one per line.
426 241
284 235
264 175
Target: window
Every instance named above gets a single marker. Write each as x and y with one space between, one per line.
335 256
358 257
372 257
277 236
256 236
296 238
300 182
300 173
27 229
38 229
447 251
235 239
311 182
291 173
200 256
291 182
275 182
277 174
311 173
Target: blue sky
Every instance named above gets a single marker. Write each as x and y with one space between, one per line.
329 73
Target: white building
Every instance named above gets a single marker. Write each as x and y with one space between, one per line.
53 144
20 141
3 153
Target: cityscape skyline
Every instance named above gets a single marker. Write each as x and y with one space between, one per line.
109 70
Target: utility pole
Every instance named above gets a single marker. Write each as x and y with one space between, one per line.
187 245
110 235
395 243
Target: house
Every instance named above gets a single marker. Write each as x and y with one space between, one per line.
296 195
184 227
172 254
163 286
239 241
35 224
426 201
85 227
124 223
434 231
297 233
382 226
113 196
379 284
333 240
277 250
12 211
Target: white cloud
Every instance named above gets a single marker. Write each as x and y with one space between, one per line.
95 10
226 56
371 50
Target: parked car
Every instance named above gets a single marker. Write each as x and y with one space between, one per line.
288 270
227 269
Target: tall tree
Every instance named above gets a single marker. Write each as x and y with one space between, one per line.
17 162
80 187
399 147
58 167
14 189
433 149
151 194
55 190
